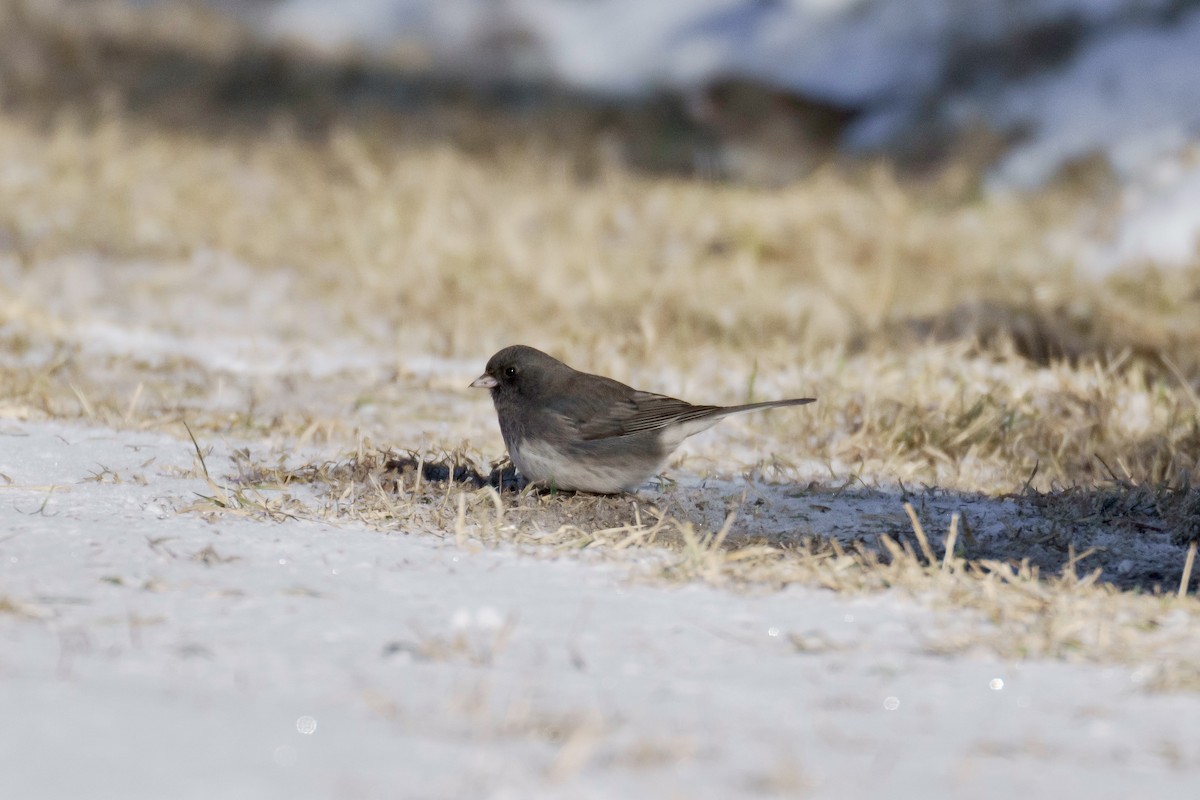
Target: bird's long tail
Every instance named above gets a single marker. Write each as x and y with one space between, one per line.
797 401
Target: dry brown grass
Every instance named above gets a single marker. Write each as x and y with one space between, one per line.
434 238
950 344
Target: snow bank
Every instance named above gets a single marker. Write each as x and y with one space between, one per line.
1074 78
147 652
1133 95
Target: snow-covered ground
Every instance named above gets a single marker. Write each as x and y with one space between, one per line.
147 652
1064 80
151 647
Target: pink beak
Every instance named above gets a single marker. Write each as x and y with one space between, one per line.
484 382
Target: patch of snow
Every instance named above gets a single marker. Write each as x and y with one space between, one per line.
1131 95
1158 220
319 660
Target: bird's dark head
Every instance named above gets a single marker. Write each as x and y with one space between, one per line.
520 370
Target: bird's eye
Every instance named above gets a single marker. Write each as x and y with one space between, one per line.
510 372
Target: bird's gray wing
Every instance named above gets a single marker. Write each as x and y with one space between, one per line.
639 412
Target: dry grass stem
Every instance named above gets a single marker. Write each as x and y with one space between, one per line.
948 559
1187 570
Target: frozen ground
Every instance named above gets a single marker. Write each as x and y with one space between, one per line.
149 652
152 646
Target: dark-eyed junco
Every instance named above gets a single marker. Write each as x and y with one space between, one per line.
569 430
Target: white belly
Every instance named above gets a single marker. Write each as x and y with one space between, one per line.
546 465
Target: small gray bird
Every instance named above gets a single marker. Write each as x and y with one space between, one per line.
570 430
